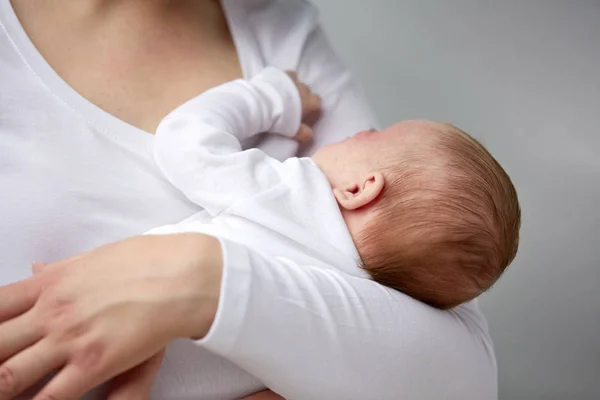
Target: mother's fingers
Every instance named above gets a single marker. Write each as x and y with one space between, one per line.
19 297
28 367
17 334
71 383
136 383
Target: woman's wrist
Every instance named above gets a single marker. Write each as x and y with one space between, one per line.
203 284
208 263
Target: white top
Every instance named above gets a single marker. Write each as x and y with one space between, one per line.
73 177
282 209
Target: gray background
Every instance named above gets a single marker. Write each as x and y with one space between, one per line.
523 77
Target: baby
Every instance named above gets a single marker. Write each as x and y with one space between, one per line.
420 207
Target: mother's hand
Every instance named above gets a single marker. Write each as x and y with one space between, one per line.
98 314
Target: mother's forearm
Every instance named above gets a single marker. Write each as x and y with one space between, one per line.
206 257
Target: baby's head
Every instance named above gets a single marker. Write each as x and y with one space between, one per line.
431 212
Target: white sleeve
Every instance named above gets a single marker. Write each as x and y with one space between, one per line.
197 146
310 333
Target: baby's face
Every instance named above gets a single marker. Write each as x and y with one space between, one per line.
369 150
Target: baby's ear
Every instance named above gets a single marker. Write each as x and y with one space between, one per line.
362 193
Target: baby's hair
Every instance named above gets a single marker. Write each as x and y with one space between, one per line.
447 223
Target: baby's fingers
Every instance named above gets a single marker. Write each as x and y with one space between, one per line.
312 112
305 134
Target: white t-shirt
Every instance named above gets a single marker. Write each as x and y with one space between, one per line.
282 209
73 177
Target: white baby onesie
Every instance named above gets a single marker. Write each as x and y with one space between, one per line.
283 209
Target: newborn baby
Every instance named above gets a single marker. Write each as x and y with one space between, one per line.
420 207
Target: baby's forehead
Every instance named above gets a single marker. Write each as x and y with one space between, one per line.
420 132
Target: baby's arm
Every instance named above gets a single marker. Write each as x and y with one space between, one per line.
198 149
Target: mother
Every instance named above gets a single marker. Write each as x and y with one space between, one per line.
83 83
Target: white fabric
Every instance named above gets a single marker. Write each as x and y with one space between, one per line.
282 209
73 177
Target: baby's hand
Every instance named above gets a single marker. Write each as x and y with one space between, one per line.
311 109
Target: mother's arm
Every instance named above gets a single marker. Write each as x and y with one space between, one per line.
310 333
